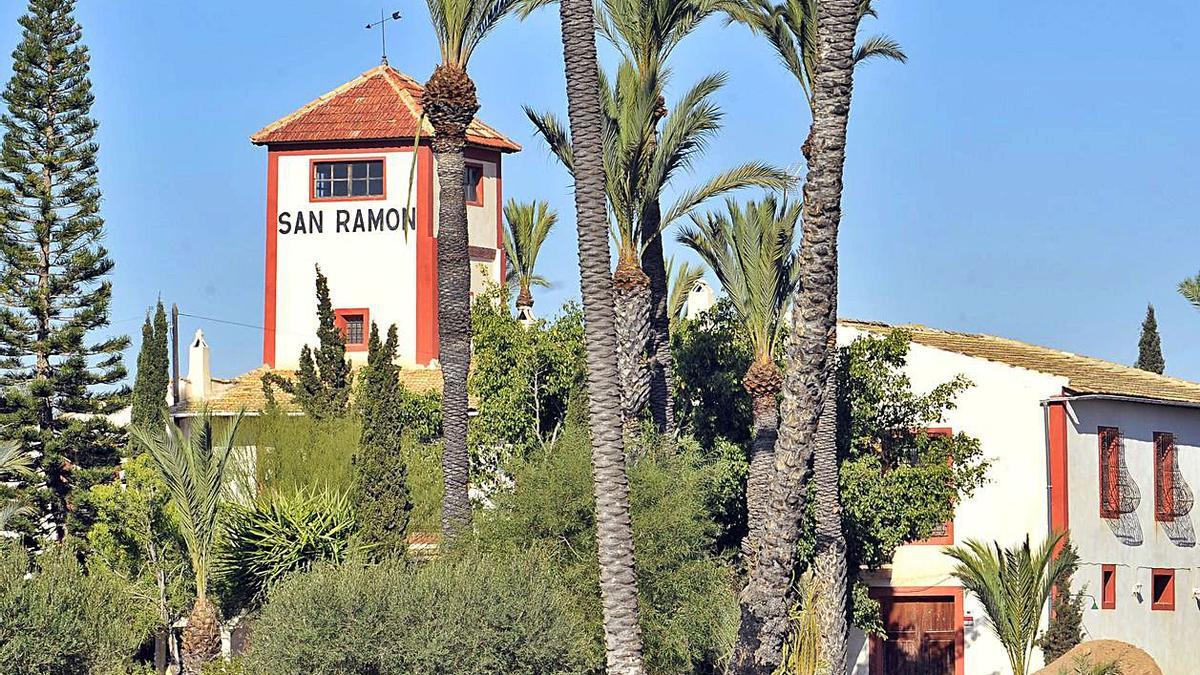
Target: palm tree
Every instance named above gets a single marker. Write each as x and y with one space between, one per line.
614 532
528 224
638 167
683 278
751 249
449 102
1190 289
808 358
1013 585
193 468
15 464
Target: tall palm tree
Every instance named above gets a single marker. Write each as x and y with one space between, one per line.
808 358
1013 585
638 167
450 103
193 468
528 224
1190 289
683 278
15 464
751 249
614 531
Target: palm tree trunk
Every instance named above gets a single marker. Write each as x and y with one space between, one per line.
201 637
762 461
662 363
614 532
454 327
631 298
767 596
830 572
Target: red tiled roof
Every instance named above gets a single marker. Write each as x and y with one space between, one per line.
382 103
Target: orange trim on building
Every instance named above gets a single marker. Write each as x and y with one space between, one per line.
478 201
427 333
954 593
339 320
1164 601
1056 433
1108 587
500 219
272 248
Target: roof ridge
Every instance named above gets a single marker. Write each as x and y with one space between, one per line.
316 102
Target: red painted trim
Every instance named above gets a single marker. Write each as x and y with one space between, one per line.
272 252
478 183
1056 432
1110 469
884 593
1108 587
338 147
339 320
500 219
946 539
312 180
1164 497
427 335
1167 602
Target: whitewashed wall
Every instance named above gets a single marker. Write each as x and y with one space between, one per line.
1136 543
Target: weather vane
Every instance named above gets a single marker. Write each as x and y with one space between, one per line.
382 23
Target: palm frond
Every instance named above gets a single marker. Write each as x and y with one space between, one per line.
753 174
683 279
1190 289
556 136
12 509
461 25
879 47
526 227
15 462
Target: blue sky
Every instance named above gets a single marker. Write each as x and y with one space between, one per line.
1031 172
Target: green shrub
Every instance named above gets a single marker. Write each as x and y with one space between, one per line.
688 606
282 533
464 614
424 464
62 620
297 452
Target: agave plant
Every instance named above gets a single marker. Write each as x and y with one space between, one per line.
1013 584
281 533
639 164
193 467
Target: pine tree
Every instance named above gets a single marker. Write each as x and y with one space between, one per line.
381 495
322 386
1150 345
152 377
54 291
1065 629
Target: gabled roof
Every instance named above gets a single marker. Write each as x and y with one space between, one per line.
1085 375
244 393
380 104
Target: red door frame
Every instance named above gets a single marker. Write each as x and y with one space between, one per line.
954 593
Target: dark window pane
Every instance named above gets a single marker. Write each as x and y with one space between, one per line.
354 329
358 187
375 169
341 188
324 170
359 169
323 188
341 170
376 188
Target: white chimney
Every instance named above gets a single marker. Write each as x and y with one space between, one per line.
199 373
699 299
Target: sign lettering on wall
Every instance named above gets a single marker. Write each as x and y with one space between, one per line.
346 220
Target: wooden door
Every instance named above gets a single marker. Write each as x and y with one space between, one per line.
920 637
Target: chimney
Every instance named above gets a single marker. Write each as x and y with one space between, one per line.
699 299
199 373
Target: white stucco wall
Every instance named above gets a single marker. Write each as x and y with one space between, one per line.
1003 410
375 269
1136 543
481 225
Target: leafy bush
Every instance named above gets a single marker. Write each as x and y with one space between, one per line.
62 620
465 614
711 354
688 606
282 533
299 452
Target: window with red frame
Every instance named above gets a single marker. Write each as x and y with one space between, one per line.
942 535
1162 589
1164 478
1110 471
355 325
1108 587
473 184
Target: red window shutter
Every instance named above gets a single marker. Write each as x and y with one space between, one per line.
1164 479
1110 472
1108 587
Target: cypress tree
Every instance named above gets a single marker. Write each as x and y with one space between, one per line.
1150 345
54 290
322 386
381 495
1065 629
152 378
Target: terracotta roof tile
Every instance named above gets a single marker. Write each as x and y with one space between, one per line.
1085 375
380 104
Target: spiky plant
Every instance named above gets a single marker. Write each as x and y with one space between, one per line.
527 226
752 251
450 103
683 277
193 468
1190 289
1013 585
15 464
639 165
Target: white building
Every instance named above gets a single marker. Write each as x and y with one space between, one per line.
1040 415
